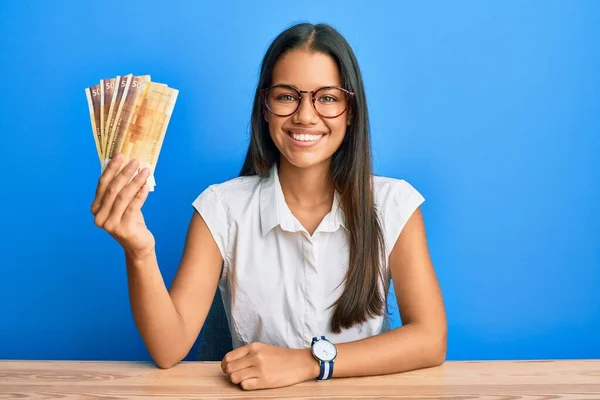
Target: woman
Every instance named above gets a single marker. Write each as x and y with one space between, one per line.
302 245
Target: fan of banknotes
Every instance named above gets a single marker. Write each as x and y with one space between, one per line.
130 115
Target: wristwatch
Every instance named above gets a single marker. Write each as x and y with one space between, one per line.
324 352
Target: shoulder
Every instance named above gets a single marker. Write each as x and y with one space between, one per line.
394 192
231 194
221 205
395 201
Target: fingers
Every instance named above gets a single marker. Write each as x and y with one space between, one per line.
105 179
243 375
238 365
251 384
126 196
234 355
113 189
138 201
245 366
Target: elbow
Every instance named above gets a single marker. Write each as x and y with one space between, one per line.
433 345
167 356
438 349
165 365
438 357
165 362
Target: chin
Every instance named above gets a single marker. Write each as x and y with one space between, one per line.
305 162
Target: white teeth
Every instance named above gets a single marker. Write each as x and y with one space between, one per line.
305 138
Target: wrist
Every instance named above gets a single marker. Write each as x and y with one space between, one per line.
139 259
310 366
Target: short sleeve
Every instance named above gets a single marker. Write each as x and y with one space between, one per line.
210 205
399 202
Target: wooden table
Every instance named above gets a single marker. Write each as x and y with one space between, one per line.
199 380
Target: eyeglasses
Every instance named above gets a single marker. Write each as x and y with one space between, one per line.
328 102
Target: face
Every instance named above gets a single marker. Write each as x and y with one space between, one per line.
304 138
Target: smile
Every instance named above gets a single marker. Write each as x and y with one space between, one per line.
303 137
304 140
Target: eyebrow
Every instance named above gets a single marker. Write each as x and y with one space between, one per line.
282 83
295 87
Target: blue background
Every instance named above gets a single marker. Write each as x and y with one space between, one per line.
491 109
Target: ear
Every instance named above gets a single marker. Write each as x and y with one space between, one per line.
349 119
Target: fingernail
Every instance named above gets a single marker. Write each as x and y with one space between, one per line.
146 172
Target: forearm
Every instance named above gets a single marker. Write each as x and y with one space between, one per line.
403 349
154 313
406 348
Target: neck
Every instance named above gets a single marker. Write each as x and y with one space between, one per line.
306 186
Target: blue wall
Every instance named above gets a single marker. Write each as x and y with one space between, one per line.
491 109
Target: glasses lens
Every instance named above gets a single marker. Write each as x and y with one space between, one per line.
331 102
282 100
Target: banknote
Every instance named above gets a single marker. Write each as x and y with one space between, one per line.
137 133
130 99
114 112
162 116
118 94
107 90
93 98
148 126
101 115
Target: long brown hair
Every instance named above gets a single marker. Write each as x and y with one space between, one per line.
351 172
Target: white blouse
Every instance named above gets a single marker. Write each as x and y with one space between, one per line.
278 281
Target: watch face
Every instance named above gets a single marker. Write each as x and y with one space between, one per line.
324 350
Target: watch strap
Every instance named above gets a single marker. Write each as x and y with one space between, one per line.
316 339
326 370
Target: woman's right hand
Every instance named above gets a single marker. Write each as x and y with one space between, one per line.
118 206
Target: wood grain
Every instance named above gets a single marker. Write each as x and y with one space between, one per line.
564 379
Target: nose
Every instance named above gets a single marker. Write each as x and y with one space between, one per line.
305 114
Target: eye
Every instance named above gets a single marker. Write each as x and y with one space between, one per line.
286 97
327 99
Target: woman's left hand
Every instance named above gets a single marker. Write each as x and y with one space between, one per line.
263 366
